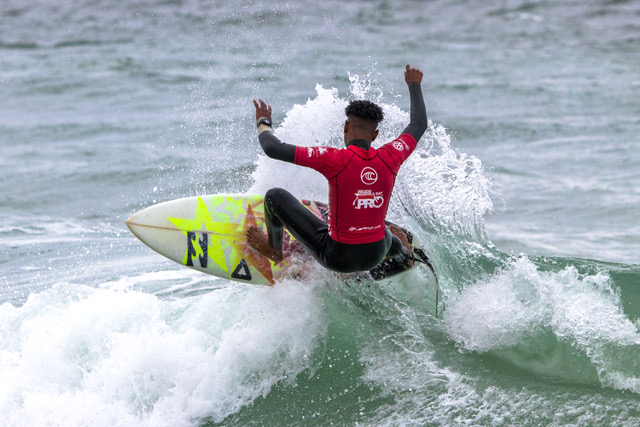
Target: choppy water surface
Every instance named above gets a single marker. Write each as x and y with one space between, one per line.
524 190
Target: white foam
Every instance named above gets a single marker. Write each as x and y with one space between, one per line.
75 355
581 310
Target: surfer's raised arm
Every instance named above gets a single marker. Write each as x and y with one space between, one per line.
270 143
418 124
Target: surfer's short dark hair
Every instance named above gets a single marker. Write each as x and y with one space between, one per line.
364 110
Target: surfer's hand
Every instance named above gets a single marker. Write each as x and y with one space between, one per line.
262 110
412 75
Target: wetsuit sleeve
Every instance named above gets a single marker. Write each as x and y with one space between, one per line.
275 148
418 124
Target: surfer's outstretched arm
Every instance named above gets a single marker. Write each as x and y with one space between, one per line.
270 143
418 124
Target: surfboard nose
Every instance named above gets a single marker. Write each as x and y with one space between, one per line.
129 221
132 225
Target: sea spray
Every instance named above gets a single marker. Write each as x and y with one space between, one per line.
445 188
318 122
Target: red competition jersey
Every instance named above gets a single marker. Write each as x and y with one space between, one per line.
360 185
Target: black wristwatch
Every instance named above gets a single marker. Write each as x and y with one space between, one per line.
264 121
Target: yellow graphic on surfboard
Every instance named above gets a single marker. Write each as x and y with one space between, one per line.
208 233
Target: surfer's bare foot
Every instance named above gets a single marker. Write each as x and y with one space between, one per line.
260 242
403 239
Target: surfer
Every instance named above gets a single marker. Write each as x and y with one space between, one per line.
361 179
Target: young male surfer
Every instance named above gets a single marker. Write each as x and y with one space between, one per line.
361 179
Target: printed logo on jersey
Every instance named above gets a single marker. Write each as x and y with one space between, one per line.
375 227
366 199
400 145
369 176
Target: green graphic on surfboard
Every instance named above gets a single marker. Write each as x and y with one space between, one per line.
208 233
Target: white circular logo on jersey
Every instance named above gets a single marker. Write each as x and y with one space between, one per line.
398 146
369 176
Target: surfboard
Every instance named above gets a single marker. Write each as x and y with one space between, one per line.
208 233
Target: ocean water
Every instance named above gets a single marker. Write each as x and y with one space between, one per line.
525 191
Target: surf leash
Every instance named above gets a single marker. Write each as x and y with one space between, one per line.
424 259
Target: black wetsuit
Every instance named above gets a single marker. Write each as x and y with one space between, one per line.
283 209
